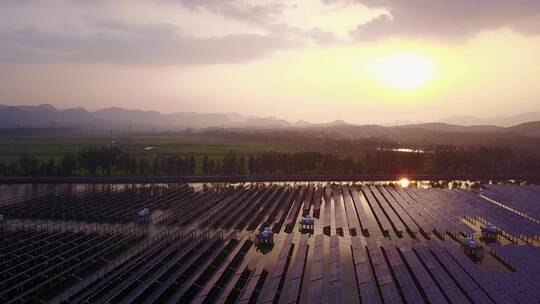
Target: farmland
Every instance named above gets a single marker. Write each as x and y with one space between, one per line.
163 144
240 153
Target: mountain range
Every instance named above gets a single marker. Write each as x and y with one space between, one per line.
114 118
46 115
504 121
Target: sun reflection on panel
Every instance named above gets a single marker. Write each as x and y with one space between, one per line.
404 182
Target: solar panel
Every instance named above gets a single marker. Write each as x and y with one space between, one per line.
369 294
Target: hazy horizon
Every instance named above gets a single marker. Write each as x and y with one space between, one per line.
477 120
359 61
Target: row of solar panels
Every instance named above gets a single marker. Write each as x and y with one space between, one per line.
524 199
101 204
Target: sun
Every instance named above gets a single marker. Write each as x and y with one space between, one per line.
404 71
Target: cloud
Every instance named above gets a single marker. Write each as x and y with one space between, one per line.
123 43
15 2
93 33
266 16
441 19
260 14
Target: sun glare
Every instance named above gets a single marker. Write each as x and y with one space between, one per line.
404 70
404 182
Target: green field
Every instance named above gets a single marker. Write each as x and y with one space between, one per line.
44 147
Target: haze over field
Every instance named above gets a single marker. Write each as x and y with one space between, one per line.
354 60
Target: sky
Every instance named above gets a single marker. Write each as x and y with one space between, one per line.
362 61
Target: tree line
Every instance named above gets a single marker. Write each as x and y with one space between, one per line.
107 161
103 161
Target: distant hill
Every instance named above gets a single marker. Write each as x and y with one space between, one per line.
444 127
531 129
266 122
506 121
45 116
114 118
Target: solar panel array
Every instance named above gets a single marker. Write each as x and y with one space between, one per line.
522 199
39 259
371 243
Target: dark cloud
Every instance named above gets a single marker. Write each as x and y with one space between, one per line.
442 19
123 43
